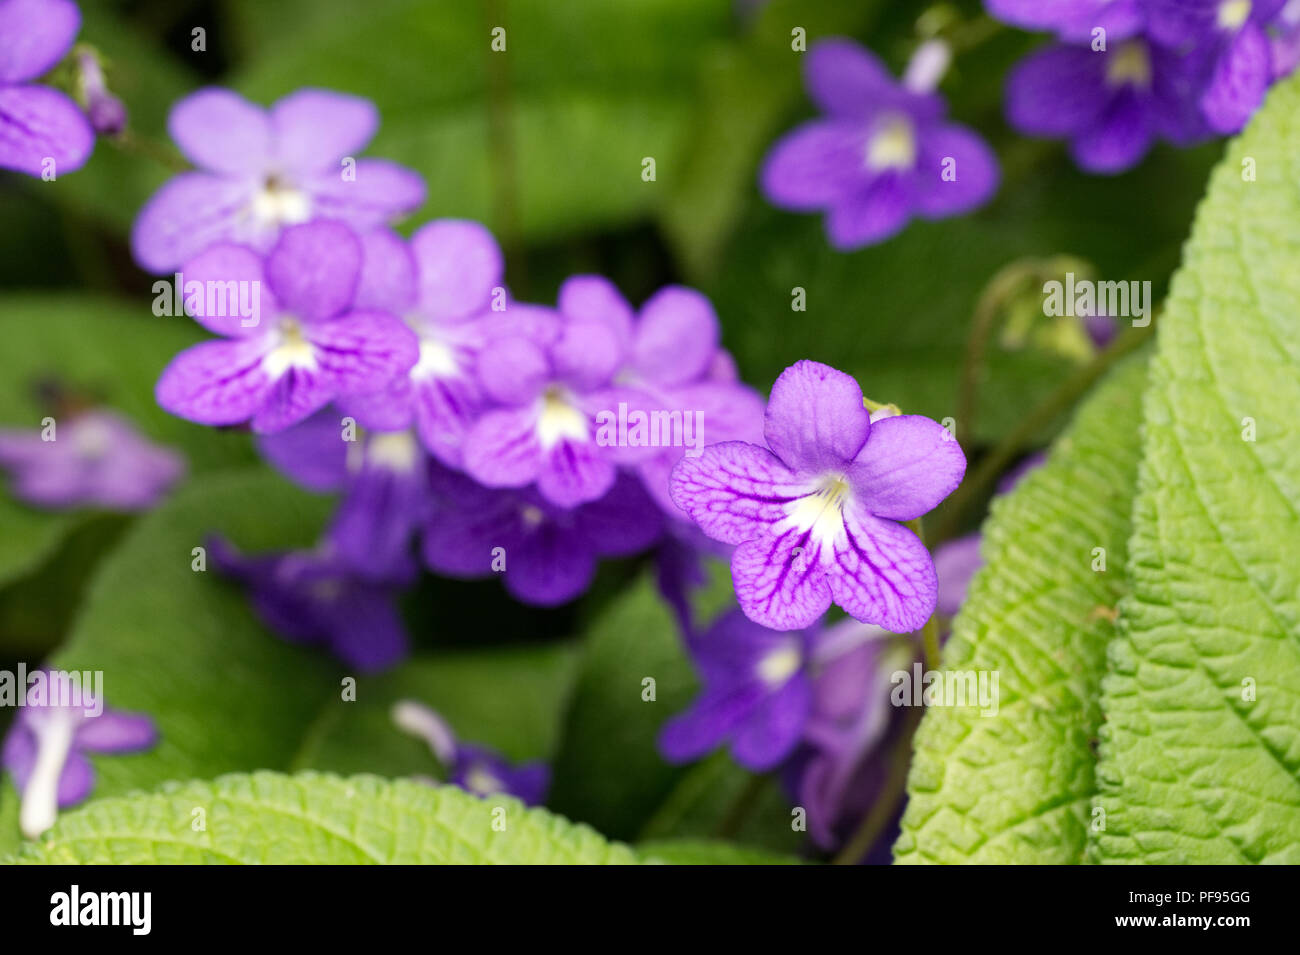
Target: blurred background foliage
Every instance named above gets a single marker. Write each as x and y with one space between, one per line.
545 144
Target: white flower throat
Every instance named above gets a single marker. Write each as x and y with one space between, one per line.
821 513
1129 65
1233 14
293 350
278 203
560 419
892 145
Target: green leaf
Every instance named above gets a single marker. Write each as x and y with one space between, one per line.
703 852
100 351
317 819
1015 787
1200 752
584 91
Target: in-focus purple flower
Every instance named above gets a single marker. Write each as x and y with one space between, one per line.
261 170
442 283
1073 20
476 769
314 598
755 695
1111 105
38 124
96 459
547 554
45 749
816 513
384 480
549 381
1229 39
305 348
882 154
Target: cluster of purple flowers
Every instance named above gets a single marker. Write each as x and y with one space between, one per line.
1125 73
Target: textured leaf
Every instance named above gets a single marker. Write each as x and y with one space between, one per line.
312 818
1015 787
702 852
1200 753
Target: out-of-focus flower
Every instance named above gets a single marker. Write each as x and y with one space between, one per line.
548 382
39 125
1285 40
476 769
1073 20
262 170
306 345
383 478
45 749
546 554
442 284
882 154
816 513
756 695
314 598
96 459
106 112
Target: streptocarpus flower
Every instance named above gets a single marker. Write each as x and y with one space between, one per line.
1111 105
442 283
816 513
547 554
107 113
1073 20
96 459
1230 37
261 170
882 154
45 751
475 769
549 381
756 695
307 347
384 480
313 598
37 124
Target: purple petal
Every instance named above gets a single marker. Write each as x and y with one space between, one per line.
513 371
844 79
374 526
39 124
624 521
221 131
1059 91
459 538
298 393
595 299
188 214
777 585
389 409
735 491
311 453
814 164
445 410
955 564
314 129
1241 77
587 354
116 731
387 279
871 214
216 383
772 732
34 35
459 265
213 269
502 449
815 417
677 335
362 352
574 472
708 722
1120 138
973 164
380 192
76 781
883 574
314 269
547 567
367 632
908 465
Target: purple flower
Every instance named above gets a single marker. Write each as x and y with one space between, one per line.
38 124
106 112
955 563
547 554
816 512
384 480
1229 37
476 769
549 381
756 695
1073 20
443 284
882 154
1285 41
261 170
96 459
314 598
45 749
1111 105
305 345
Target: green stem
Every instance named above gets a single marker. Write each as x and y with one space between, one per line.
743 806
888 799
136 145
930 632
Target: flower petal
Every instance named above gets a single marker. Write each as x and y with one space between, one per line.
380 192
595 298
116 731
814 164
844 79
546 568
38 125
735 491
459 265
445 410
587 354
216 383
313 129
219 130
387 278
367 632
955 564
363 352
226 274
780 582
1059 91
34 35
771 733
624 521
882 573
314 269
677 336
1240 79
908 465
1120 138
573 472
973 166
815 417
76 781
188 214
502 449
513 370
312 453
